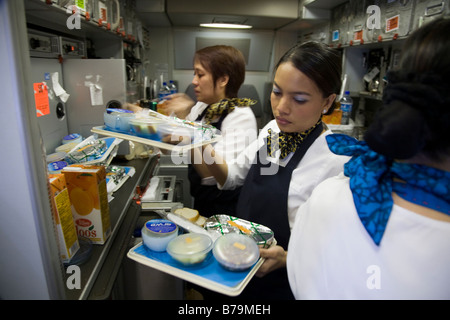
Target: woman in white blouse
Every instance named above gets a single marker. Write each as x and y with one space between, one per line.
381 230
290 157
219 72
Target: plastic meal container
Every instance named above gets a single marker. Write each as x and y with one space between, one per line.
146 128
236 252
118 120
190 248
157 233
176 131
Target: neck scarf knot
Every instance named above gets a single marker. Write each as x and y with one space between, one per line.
373 178
224 107
286 142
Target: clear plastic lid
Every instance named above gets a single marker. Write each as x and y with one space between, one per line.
190 248
236 251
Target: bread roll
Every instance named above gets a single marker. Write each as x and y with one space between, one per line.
201 221
188 214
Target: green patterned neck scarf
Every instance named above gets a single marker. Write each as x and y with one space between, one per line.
224 107
287 142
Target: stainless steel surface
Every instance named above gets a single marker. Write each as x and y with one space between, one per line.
167 167
108 75
139 282
53 126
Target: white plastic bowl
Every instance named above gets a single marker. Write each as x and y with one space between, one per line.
236 252
190 248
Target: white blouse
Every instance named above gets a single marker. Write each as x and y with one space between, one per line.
238 130
331 255
318 164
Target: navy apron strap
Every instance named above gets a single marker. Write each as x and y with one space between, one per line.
209 200
273 190
263 200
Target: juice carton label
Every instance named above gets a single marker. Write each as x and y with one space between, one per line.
89 201
62 215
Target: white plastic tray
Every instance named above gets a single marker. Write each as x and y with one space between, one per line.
208 274
158 144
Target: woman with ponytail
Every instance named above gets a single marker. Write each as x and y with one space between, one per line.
290 157
381 230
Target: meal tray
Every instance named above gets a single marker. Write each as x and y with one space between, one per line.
208 274
158 144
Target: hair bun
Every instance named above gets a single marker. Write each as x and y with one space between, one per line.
398 131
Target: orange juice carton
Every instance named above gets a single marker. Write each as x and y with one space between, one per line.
62 215
89 200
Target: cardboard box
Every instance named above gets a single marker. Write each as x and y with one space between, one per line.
62 215
89 199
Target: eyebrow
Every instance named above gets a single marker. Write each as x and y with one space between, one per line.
295 92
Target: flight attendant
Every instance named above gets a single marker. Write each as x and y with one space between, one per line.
219 72
290 157
381 230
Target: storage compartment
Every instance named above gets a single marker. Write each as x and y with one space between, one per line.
140 282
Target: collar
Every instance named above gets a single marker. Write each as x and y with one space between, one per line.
372 183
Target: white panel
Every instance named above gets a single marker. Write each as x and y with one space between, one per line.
258 56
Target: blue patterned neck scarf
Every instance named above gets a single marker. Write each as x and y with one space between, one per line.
372 183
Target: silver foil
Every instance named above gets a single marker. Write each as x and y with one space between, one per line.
225 224
93 150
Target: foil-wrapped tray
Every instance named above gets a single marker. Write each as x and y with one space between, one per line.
87 151
224 224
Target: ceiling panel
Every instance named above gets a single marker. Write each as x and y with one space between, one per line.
261 14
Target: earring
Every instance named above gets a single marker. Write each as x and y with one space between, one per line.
324 111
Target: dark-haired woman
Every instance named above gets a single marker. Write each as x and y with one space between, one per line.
219 72
290 157
381 230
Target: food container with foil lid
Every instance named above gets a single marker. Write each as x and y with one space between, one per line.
157 233
91 150
225 224
236 252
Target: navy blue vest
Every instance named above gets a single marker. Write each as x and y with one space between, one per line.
209 200
263 200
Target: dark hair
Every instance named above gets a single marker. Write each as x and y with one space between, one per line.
415 114
222 61
319 63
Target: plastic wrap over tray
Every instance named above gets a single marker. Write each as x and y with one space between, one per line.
224 224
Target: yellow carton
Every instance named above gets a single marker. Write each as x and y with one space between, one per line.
62 214
89 199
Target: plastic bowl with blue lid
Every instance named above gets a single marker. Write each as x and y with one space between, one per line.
157 233
118 120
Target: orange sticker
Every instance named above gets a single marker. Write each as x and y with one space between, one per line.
392 23
243 229
358 35
239 245
41 99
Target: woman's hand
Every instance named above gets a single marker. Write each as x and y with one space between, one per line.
275 259
133 107
180 104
